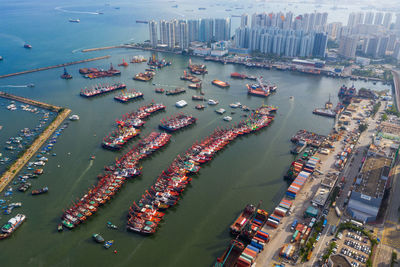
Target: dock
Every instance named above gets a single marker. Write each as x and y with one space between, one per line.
54 67
16 167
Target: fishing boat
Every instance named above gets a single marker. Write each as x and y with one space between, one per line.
220 84
260 89
28 46
66 75
60 227
101 89
128 96
237 75
12 225
176 91
144 77
145 216
220 111
138 59
112 226
25 186
154 62
177 122
98 238
40 191
212 102
198 98
123 64
159 90
199 106
194 86
197 69
94 73
74 117
108 244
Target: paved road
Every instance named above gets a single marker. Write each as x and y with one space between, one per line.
396 78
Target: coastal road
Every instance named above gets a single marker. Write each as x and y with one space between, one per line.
7 176
396 79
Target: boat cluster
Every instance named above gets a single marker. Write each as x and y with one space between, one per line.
110 182
145 216
177 122
93 73
144 77
101 89
128 126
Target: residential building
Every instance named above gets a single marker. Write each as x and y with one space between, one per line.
206 30
153 33
348 46
320 43
222 30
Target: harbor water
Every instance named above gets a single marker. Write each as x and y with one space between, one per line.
193 233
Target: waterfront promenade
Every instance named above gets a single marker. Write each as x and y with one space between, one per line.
14 169
53 67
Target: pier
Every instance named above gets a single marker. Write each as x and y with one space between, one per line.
53 67
16 167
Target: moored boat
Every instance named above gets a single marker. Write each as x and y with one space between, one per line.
220 84
40 191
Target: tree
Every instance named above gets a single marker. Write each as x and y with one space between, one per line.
384 117
362 127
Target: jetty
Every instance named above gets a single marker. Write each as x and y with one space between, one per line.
55 66
102 48
16 167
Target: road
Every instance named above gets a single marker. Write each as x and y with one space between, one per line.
396 79
7 176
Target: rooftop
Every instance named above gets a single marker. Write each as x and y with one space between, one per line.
321 196
390 128
339 261
373 181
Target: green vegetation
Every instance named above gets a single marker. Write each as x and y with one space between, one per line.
393 111
394 259
362 127
375 109
365 73
334 194
388 76
304 250
384 117
328 253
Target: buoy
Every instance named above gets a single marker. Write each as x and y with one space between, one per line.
115 251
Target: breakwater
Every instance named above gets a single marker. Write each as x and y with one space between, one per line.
53 67
16 167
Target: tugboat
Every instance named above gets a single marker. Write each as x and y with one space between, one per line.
40 191
66 75
98 238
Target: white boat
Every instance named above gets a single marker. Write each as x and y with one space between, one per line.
39 163
13 224
212 102
227 118
181 104
12 107
75 20
74 117
220 111
235 105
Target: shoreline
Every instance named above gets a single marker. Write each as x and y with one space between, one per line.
19 163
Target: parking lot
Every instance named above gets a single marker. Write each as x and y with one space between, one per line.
354 246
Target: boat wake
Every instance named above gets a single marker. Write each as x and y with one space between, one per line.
82 175
76 11
14 38
14 86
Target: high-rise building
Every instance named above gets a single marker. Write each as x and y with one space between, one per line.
222 29
153 33
371 46
397 23
193 30
378 18
244 20
351 22
333 29
348 46
324 19
382 46
320 43
183 35
171 34
163 32
369 18
396 53
359 18
391 42
242 37
206 30
387 20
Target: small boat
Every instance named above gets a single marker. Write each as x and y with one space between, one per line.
74 117
28 46
220 111
220 84
40 191
291 97
123 64
227 118
59 227
74 20
112 226
235 105
198 97
31 85
181 104
98 238
212 102
199 106
93 157
159 90
24 187
66 75
108 244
